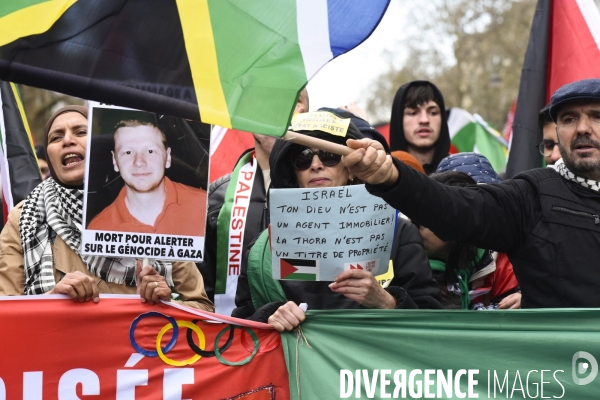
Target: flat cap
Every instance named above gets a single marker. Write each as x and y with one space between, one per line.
586 89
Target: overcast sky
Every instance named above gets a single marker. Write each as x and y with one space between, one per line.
347 78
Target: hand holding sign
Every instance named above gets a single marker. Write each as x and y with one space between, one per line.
360 285
151 286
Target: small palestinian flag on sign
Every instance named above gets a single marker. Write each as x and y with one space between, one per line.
299 270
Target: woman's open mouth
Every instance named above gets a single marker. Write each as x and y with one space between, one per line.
72 159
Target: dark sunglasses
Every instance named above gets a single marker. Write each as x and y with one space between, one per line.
303 160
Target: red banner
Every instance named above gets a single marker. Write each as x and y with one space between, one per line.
120 348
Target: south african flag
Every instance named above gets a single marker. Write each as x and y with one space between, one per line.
234 63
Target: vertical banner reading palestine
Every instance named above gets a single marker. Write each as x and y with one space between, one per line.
231 241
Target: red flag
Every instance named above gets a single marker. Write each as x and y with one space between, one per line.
574 51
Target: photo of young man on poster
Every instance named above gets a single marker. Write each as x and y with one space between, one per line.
145 176
149 201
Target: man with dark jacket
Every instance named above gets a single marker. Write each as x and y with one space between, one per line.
546 220
419 125
237 214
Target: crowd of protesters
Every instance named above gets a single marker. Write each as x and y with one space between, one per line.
460 230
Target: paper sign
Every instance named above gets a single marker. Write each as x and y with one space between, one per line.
318 233
321 121
145 185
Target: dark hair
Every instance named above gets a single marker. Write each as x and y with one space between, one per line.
419 94
460 255
544 117
133 123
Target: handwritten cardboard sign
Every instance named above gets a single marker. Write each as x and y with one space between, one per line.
318 233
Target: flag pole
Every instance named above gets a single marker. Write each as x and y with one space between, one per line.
313 142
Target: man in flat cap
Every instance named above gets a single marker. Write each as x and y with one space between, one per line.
547 220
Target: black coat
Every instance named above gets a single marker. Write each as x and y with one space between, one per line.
413 285
548 226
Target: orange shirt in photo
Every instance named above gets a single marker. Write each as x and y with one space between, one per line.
183 213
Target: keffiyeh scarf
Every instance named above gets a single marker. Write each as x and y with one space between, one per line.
562 169
52 207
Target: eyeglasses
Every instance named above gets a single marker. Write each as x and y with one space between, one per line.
303 160
546 147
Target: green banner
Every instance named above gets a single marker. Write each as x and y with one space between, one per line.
377 354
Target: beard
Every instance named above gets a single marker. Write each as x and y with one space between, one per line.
584 166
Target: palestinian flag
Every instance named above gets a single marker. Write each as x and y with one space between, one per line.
564 46
19 169
298 269
470 133
226 147
235 63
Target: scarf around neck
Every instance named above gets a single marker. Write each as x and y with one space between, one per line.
52 207
562 169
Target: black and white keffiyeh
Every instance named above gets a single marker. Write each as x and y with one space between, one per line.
562 169
51 206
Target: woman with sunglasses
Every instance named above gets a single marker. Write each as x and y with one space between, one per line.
261 298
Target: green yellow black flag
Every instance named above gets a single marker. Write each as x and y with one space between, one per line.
18 163
232 63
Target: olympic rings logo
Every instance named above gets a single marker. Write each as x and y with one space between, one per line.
200 349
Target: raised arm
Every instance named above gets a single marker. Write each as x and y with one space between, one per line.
488 216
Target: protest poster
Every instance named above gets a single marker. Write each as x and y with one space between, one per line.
145 185
318 233
120 348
